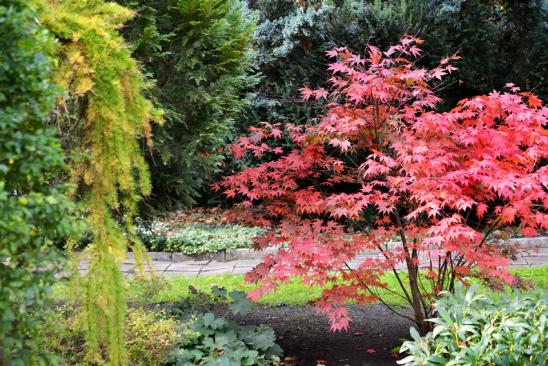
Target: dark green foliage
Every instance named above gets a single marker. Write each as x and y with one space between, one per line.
516 32
198 51
292 36
477 329
34 211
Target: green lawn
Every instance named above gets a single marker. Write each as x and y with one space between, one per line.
293 293
176 289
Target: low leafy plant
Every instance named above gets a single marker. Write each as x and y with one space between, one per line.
196 239
150 337
473 328
216 340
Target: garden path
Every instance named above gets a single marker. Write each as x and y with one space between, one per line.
166 264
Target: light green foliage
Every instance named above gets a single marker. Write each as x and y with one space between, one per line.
103 115
198 52
150 337
195 239
175 289
472 328
219 341
34 212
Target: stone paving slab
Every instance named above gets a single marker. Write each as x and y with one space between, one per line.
241 261
190 269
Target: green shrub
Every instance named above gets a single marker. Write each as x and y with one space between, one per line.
150 337
472 328
194 239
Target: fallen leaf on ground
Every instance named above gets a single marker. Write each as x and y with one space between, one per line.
368 350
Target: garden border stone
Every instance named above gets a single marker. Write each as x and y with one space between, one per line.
528 244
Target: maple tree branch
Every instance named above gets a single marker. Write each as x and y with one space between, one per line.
401 232
453 275
400 282
443 273
461 260
398 278
425 292
377 295
412 270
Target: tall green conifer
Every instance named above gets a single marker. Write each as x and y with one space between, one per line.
199 53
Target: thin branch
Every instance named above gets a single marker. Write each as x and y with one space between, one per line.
376 294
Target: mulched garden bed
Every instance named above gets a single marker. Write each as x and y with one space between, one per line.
306 338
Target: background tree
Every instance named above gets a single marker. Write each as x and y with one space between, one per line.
450 186
292 36
101 118
199 54
34 211
515 31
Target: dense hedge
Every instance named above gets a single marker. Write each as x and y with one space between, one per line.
34 211
292 36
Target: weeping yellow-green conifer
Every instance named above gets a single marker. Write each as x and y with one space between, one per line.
105 115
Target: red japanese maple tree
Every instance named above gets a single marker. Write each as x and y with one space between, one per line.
429 196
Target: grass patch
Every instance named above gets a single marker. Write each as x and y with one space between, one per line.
175 289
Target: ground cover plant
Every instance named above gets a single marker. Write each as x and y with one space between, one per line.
214 339
186 332
450 186
196 239
196 232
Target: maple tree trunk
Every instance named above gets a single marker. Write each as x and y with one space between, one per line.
420 316
413 272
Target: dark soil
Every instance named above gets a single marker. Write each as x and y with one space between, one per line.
306 338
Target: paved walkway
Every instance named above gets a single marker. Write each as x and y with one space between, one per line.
239 261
